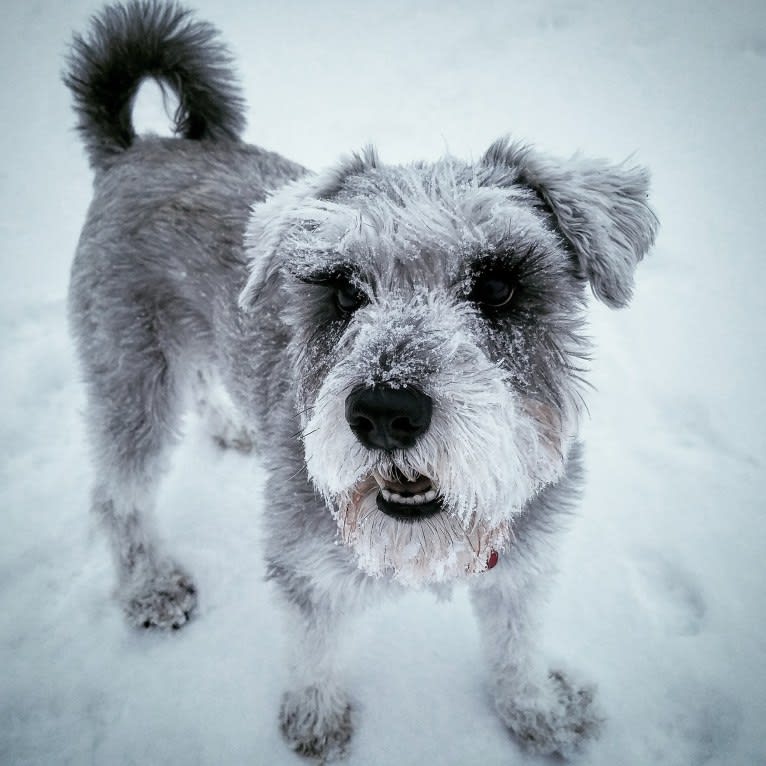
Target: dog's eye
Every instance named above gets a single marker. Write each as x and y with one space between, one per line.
493 290
348 298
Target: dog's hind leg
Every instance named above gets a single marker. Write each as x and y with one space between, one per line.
154 591
134 393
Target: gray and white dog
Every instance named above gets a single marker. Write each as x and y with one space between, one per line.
404 343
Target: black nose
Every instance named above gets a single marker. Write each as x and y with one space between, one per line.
388 418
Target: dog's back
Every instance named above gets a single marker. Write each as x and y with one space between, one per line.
165 229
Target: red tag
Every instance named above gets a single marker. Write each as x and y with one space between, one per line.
492 560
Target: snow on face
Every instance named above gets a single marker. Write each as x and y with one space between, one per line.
411 244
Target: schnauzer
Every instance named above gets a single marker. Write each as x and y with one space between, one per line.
403 342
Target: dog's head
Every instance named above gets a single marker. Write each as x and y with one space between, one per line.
434 314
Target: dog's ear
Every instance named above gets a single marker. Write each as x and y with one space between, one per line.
268 224
298 207
600 209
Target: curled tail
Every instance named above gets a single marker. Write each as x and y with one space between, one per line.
150 38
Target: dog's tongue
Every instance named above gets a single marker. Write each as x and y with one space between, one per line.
402 486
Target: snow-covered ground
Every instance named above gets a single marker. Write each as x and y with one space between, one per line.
661 598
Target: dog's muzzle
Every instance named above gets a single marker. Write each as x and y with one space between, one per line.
388 419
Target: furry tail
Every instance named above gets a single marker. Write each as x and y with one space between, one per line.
151 38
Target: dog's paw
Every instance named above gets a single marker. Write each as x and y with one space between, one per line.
220 416
225 425
316 722
164 600
229 435
556 718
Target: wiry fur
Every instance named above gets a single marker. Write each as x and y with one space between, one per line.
200 267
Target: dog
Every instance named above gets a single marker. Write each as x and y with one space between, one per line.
403 344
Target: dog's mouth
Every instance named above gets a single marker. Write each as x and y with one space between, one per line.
407 499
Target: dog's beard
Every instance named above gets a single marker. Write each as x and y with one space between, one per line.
488 451
434 549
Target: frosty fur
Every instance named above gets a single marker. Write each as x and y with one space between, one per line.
197 278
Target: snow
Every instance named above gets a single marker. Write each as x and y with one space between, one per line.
661 597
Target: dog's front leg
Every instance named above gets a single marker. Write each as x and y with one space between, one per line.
544 710
315 715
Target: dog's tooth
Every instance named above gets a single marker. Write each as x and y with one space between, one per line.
419 499
379 478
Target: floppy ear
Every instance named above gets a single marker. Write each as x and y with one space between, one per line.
268 224
295 205
601 210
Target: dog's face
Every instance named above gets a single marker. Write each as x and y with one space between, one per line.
434 315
